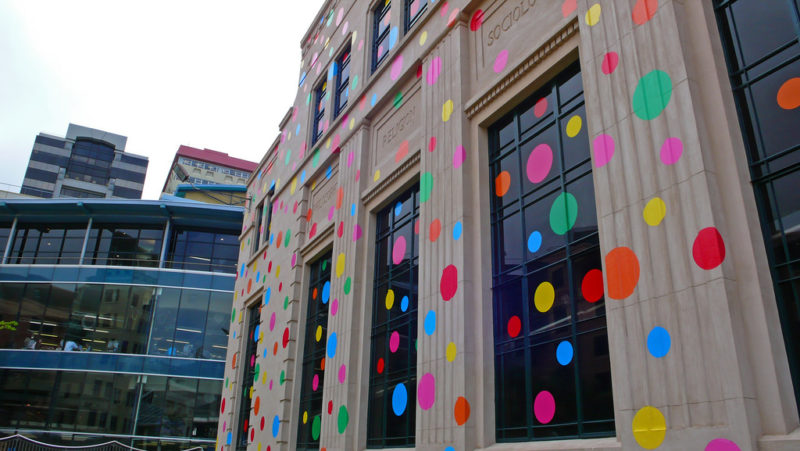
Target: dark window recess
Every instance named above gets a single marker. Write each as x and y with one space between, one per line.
90 161
258 231
50 158
203 250
413 10
393 361
553 343
381 21
41 175
313 375
38 192
249 373
46 244
52 142
127 193
319 111
124 174
79 193
342 82
5 231
121 245
134 160
762 50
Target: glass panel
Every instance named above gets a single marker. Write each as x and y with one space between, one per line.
217 326
162 341
152 406
190 323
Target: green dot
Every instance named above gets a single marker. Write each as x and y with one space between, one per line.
286 302
283 377
288 236
233 315
563 213
398 99
255 374
425 187
288 157
315 159
226 382
343 419
652 94
355 82
347 285
308 98
324 264
315 426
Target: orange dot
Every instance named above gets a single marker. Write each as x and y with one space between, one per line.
314 293
644 10
435 230
622 272
402 151
789 94
275 349
257 405
502 183
233 361
339 198
461 411
322 364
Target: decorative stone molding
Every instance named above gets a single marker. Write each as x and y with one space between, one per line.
407 165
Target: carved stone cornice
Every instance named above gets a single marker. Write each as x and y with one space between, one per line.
407 165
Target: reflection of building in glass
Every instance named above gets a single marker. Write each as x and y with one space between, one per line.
122 312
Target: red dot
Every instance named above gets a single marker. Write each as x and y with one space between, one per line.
592 285
419 71
285 337
330 407
449 282
514 326
709 248
476 21
262 423
610 61
222 406
380 365
540 107
340 232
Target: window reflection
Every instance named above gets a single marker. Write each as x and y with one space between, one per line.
47 244
201 250
117 245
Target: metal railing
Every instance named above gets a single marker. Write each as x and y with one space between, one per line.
21 443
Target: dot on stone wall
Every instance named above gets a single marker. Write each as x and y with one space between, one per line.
426 391
334 307
447 110
402 152
502 183
399 399
708 249
610 61
564 353
332 342
544 407
722 444
658 342
451 351
448 284
459 156
652 95
592 285
654 211
644 10
568 7
347 285
457 230
434 230
671 150
425 187
649 427
476 21
544 296
397 67
276 424
514 326
789 94
603 146
622 272
593 15
461 411
540 161
434 70
342 420
429 325
500 61
563 213
340 261
432 144
574 126
342 373
423 38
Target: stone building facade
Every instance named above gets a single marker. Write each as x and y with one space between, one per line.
526 224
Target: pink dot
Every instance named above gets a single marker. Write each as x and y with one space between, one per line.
342 373
426 391
671 150
610 61
603 149
294 259
394 341
539 163
397 67
448 284
458 157
501 61
272 321
434 71
432 144
330 213
350 157
315 383
540 107
399 250
544 407
334 307
270 384
356 232
722 444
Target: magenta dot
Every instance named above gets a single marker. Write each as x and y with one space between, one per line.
342 373
434 71
544 407
539 163
671 150
294 259
397 67
426 391
722 444
315 382
501 61
459 156
432 144
334 307
610 61
394 341
330 212
272 321
350 157
356 232
270 384
603 149
399 250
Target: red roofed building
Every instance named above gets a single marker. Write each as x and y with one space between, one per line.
206 167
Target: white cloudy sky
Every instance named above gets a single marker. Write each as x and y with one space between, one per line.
208 74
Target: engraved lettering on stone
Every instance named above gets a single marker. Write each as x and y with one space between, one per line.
507 20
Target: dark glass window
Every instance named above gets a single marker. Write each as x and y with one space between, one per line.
203 250
316 334
5 231
393 362
763 55
79 193
120 245
50 158
381 24
248 374
319 111
41 175
342 82
38 192
413 11
549 338
138 161
127 193
49 141
44 244
90 161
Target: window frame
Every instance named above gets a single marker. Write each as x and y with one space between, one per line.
246 376
378 38
320 93
342 84
408 20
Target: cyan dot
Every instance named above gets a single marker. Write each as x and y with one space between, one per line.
329 172
398 209
430 322
404 303
564 353
276 424
267 295
332 345
326 292
534 241
352 209
399 399
457 229
373 100
658 342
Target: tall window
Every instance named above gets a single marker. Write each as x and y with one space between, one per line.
47 244
314 354
257 230
90 161
380 43
763 54
552 371
248 374
393 368
413 11
319 110
203 250
342 82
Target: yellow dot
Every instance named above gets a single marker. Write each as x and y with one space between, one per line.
447 110
649 427
294 186
423 37
278 271
451 351
340 265
318 335
352 122
574 126
264 378
654 211
328 143
377 175
314 185
593 15
259 446
389 299
544 296
305 417
353 40
260 337
277 184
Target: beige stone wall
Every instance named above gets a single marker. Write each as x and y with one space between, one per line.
726 374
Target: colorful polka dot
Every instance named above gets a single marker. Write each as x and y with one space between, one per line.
476 21
534 241
722 444
540 107
564 353
658 342
429 325
426 391
342 419
603 146
592 285
332 342
593 15
459 156
540 161
789 94
644 10
451 351
544 407
610 62
342 374
563 213
502 183
574 126
399 399
671 150
447 110
399 250
652 95
500 61
461 411
544 296
434 70
457 230
448 284
425 187
622 272
568 7
397 67
389 299
654 211
649 427
394 341
434 230
514 326
340 260
708 249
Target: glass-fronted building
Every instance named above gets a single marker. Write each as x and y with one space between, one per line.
114 318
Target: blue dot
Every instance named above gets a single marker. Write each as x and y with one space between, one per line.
229 439
271 238
449 448
302 174
329 172
352 209
265 353
234 334
258 275
302 80
267 295
398 209
276 424
297 130
399 399
564 353
373 100
534 241
457 229
241 271
393 37
332 345
272 185
404 303
430 322
658 342
326 292
255 333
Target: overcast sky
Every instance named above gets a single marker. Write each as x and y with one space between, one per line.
208 74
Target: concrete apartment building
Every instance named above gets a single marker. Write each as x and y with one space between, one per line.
526 224
86 163
206 167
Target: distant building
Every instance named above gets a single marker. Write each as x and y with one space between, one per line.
235 195
87 163
206 167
